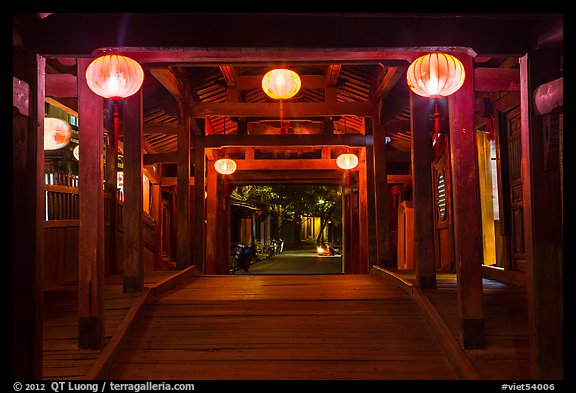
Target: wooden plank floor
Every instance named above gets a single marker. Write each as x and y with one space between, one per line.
61 357
283 327
507 352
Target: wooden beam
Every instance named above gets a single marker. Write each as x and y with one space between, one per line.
133 265
549 96
255 82
61 85
466 211
286 110
170 82
496 79
288 164
161 128
91 233
352 140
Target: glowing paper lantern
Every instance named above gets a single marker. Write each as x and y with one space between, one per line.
225 166
57 133
76 152
114 76
347 161
281 83
435 75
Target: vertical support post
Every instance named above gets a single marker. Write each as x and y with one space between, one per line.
156 213
543 217
363 243
420 109
383 244
199 204
183 191
347 254
28 219
468 242
91 234
111 183
212 224
370 193
133 267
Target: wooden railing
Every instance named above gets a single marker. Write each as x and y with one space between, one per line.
62 224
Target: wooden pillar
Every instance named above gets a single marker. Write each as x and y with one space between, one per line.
198 245
347 245
363 244
183 191
111 184
27 216
91 234
156 213
420 109
212 224
383 244
543 234
468 242
133 267
370 194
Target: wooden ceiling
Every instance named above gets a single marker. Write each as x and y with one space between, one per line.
235 77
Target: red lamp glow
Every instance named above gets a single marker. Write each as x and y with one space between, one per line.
435 75
281 83
225 166
57 133
347 161
114 76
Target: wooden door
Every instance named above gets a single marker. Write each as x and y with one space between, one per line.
511 157
443 225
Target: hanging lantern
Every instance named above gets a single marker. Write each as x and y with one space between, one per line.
114 76
435 75
281 83
76 152
225 166
57 133
347 161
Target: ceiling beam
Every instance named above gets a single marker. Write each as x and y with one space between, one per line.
214 141
281 110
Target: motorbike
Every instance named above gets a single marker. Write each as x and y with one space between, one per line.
241 259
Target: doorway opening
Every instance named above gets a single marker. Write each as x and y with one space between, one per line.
287 228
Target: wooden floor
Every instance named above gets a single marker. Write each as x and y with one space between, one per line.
507 352
62 359
283 327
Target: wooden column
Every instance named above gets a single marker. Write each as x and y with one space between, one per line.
133 267
111 184
91 234
347 245
363 228
468 242
27 216
198 245
383 244
420 109
183 191
543 234
370 194
156 213
212 224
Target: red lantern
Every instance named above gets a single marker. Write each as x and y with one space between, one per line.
435 75
281 83
347 161
57 133
225 166
114 76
